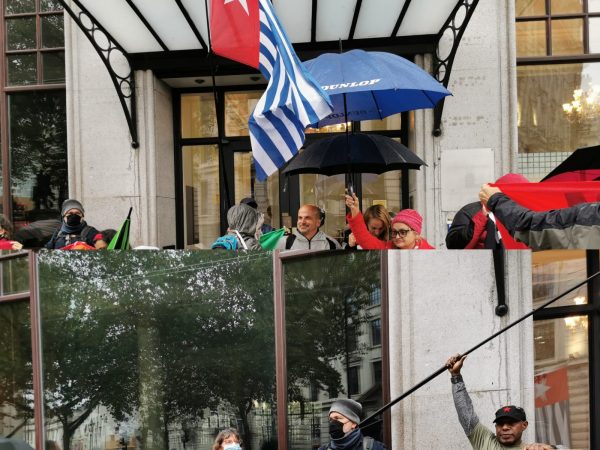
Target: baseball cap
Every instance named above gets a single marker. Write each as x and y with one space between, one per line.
512 412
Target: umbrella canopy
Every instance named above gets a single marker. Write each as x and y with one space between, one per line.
375 84
356 153
14 444
37 233
581 165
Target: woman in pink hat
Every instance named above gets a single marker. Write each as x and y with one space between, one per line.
405 233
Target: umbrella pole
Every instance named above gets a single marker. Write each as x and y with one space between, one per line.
348 154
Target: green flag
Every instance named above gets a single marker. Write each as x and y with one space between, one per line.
121 240
268 241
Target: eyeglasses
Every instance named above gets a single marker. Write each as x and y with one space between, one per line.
402 232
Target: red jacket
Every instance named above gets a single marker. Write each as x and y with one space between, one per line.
369 242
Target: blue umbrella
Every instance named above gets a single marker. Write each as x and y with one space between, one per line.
375 85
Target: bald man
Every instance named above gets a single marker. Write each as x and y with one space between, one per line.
307 235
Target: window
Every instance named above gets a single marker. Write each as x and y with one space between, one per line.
563 345
34 42
558 86
376 332
353 381
33 60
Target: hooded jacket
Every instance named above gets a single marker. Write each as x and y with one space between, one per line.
245 220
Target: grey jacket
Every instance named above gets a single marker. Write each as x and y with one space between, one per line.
319 241
577 227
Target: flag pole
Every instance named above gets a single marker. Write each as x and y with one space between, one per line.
222 168
472 349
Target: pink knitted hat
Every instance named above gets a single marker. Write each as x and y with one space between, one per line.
411 218
510 178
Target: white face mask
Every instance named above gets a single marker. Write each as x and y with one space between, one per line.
232 447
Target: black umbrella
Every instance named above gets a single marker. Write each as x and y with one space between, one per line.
354 153
14 444
581 165
37 233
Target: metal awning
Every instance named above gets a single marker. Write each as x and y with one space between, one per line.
171 38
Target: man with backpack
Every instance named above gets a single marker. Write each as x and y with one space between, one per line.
307 235
344 417
73 228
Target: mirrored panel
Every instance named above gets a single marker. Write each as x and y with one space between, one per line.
16 376
157 350
334 341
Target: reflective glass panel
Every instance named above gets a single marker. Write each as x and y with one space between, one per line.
238 107
157 350
19 6
384 189
54 67
531 38
566 6
558 111
15 276
562 382
567 37
198 115
530 8
594 34
22 69
389 123
53 31
555 271
51 5
266 193
16 376
20 33
337 128
594 5
201 195
329 325
38 154
327 193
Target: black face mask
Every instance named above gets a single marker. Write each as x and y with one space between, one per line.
73 220
336 429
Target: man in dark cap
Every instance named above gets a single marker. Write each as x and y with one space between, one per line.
510 420
73 228
344 417
265 227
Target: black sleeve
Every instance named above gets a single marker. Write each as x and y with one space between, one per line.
461 230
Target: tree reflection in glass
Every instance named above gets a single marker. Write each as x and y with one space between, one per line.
157 350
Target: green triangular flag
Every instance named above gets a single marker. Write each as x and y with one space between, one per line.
121 240
268 241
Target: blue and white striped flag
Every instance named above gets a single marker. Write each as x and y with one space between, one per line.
292 101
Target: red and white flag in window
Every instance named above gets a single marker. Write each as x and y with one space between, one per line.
552 407
249 32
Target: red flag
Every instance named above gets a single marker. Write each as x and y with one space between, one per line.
552 195
235 30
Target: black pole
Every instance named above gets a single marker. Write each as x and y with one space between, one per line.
472 349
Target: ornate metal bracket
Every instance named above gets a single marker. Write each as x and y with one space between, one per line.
456 24
109 51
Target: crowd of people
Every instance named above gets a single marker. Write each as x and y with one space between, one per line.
494 221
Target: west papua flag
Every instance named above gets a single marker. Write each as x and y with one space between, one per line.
248 31
552 407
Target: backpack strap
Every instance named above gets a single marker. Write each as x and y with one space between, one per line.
241 239
85 232
332 245
290 241
52 241
368 443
